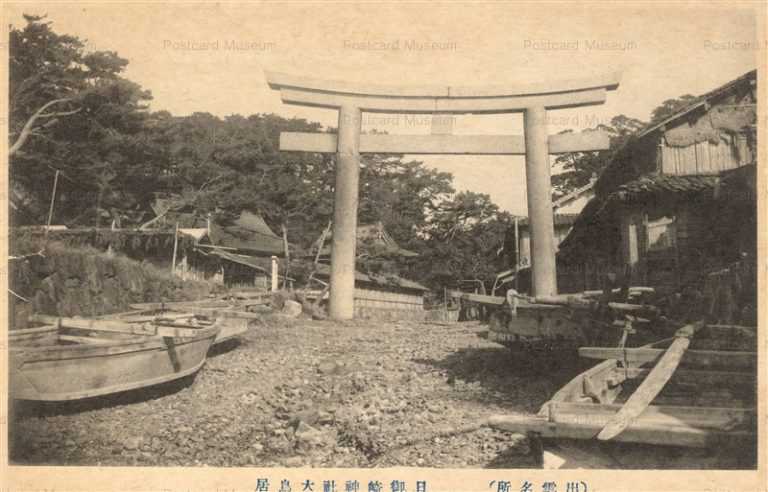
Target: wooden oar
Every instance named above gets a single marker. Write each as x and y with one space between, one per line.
652 385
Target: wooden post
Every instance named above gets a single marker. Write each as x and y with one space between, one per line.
53 200
286 254
274 285
540 217
175 248
517 256
341 304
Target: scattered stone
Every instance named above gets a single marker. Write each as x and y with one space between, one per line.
292 309
325 418
351 394
293 461
132 443
329 367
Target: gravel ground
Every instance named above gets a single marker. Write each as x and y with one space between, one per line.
294 392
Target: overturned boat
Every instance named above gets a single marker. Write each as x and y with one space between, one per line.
697 389
74 358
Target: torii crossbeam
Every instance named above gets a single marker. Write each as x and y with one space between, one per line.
351 100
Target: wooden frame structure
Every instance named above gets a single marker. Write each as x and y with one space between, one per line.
350 100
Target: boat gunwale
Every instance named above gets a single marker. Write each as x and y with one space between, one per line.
135 343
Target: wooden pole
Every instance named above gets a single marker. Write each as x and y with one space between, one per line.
517 256
274 285
175 248
540 202
53 200
341 303
287 255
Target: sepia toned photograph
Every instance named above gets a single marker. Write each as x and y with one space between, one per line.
453 236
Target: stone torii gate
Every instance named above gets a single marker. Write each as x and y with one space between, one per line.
350 100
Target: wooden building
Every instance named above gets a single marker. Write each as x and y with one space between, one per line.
237 254
563 224
677 200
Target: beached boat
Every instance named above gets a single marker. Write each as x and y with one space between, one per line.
75 358
234 319
697 389
528 325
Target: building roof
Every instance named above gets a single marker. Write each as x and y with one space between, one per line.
385 280
560 220
631 160
575 194
372 240
247 233
656 184
258 263
700 102
249 261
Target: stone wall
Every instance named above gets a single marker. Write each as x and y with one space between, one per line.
69 281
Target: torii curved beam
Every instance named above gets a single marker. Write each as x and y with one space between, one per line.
442 99
533 100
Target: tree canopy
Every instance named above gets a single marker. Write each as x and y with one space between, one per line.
74 112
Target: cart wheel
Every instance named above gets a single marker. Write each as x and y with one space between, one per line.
537 448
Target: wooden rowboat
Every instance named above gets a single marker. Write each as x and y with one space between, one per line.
697 389
73 358
233 320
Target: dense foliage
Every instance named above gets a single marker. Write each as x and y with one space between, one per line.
74 112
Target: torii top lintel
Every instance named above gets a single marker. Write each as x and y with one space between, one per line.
307 91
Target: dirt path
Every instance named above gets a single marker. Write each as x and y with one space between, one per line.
309 393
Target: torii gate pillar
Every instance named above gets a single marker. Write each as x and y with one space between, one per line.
540 202
341 304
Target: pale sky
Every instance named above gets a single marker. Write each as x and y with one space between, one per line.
180 53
